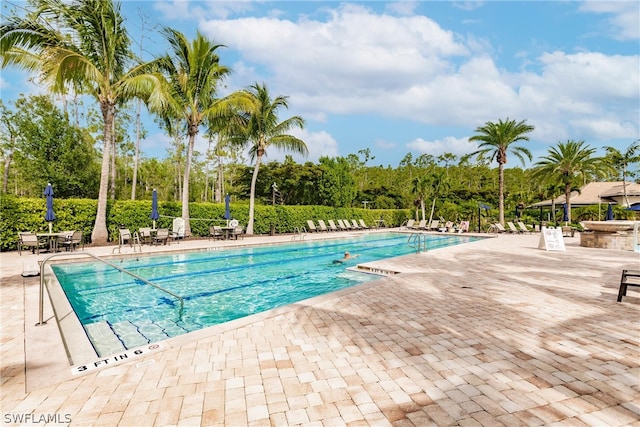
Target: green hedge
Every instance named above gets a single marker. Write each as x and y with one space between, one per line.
26 214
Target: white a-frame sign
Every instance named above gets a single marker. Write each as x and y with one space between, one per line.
551 239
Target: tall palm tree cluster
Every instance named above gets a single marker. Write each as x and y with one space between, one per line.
89 52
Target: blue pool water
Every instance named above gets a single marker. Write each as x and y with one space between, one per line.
216 285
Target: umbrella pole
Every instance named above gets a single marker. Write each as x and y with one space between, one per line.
50 227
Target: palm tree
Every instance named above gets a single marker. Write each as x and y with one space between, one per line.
262 129
497 139
419 188
566 163
623 160
193 73
439 182
90 53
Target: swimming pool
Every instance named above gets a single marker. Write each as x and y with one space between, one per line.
119 312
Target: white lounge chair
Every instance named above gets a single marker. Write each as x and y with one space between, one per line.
512 228
322 226
312 226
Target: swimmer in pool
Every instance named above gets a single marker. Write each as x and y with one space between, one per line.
347 255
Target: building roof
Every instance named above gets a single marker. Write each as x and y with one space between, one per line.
594 193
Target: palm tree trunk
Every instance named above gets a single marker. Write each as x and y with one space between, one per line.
433 208
185 185
501 192
252 197
100 234
136 155
5 176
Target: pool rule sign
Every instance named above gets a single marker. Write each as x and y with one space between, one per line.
551 239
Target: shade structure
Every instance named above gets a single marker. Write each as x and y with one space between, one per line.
609 215
634 207
154 208
227 207
565 212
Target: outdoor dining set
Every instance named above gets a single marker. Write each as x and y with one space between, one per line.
51 242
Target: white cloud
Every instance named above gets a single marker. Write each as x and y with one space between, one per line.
449 144
202 9
624 17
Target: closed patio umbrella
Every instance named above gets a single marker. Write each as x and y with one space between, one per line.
49 216
154 208
609 215
565 212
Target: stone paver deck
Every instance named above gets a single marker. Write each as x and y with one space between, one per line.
496 332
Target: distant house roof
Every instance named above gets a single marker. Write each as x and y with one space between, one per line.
594 193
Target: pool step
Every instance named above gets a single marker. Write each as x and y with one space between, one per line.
129 334
103 339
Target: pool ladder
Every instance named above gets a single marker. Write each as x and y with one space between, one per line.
137 246
299 232
110 264
418 241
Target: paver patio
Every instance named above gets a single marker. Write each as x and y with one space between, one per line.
496 332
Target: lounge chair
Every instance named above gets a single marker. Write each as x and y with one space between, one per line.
312 226
496 228
422 225
410 223
216 232
448 226
30 240
355 225
523 227
512 228
72 241
435 225
332 226
322 226
363 224
342 226
162 236
463 227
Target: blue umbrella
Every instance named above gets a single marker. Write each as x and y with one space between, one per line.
609 215
50 215
565 212
635 207
154 208
227 208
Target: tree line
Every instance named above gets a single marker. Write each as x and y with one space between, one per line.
89 53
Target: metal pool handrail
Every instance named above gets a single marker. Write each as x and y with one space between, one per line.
417 241
142 279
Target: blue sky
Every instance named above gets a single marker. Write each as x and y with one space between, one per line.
417 77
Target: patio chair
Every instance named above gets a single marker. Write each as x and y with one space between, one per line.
216 232
355 225
125 237
238 231
145 235
342 226
72 241
312 226
448 226
627 275
435 225
162 236
422 225
464 227
410 223
177 231
332 226
322 226
30 240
